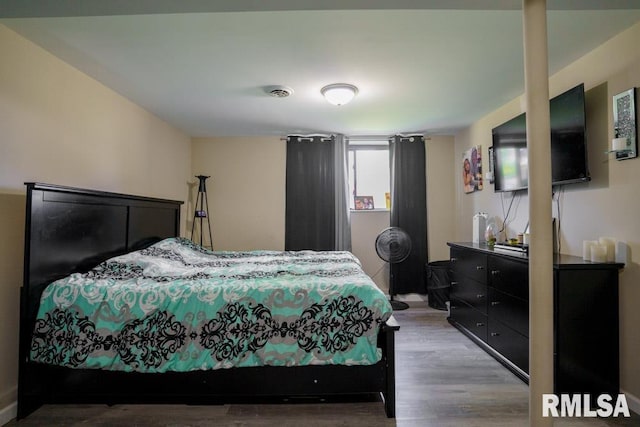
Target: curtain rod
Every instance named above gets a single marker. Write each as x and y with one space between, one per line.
313 135
359 137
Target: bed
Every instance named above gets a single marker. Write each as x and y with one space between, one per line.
74 235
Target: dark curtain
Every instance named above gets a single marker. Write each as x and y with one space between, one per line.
310 194
409 211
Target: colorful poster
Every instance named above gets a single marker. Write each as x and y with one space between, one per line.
472 169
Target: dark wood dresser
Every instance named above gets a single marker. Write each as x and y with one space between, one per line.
490 304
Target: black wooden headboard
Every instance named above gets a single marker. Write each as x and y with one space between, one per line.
69 230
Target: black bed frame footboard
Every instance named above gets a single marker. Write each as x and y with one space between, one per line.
49 384
70 230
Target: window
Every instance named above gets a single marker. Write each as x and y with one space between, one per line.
369 172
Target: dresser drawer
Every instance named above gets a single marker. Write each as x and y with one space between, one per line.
469 317
509 310
510 277
469 264
509 343
468 290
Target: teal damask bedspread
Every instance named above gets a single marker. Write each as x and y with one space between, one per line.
176 306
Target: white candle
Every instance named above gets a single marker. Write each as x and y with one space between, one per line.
598 253
611 247
586 249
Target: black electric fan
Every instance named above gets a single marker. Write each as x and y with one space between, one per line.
393 245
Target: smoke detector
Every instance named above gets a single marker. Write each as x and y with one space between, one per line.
279 91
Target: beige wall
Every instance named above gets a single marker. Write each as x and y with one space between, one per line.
441 195
60 126
246 190
11 255
607 206
365 227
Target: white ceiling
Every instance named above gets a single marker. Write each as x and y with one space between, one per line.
427 69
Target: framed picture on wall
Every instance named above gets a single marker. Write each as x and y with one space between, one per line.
624 124
472 169
364 202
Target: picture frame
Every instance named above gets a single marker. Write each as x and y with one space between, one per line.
363 203
472 169
625 123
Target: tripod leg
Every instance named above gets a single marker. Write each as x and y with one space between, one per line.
193 224
201 195
206 199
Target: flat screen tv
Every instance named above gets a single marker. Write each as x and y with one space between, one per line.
568 145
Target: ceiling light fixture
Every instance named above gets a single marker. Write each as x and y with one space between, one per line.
339 93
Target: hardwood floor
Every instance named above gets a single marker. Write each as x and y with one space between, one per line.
442 379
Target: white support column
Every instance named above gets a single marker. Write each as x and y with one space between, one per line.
540 209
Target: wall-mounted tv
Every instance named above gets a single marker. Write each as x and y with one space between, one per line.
568 145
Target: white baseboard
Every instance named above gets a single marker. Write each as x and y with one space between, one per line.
632 401
8 413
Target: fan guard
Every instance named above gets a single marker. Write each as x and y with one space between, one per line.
393 245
